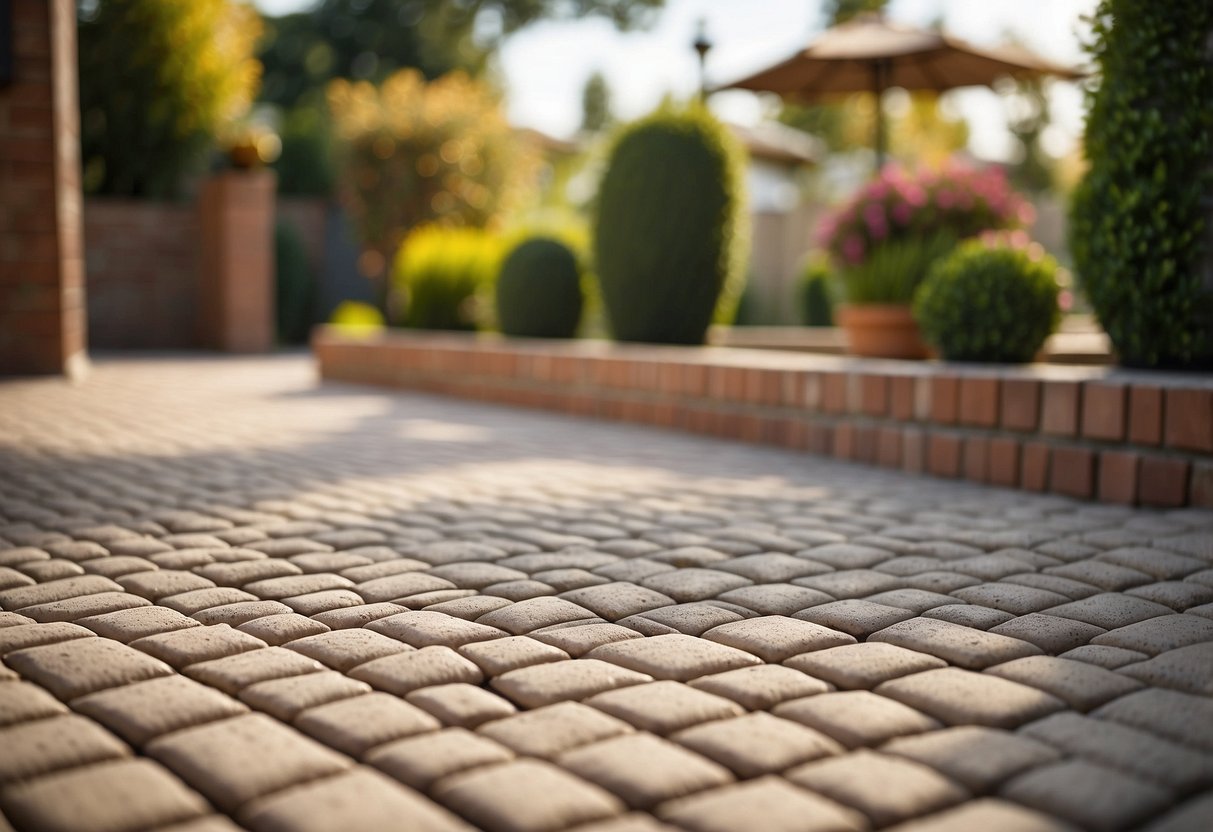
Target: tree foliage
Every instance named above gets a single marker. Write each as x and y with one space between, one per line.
1139 231
411 152
370 39
159 80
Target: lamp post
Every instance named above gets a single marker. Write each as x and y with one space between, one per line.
701 45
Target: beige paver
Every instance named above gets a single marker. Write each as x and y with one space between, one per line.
114 796
623 616
524 796
757 743
236 760
782 807
143 711
886 789
354 725
421 760
856 718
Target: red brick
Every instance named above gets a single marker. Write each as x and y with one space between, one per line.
979 402
889 452
1073 472
913 450
945 399
1145 415
901 395
812 391
1104 411
819 439
1189 419
1118 477
833 392
1004 462
874 395
1059 408
694 380
977 459
943 455
1034 466
793 389
866 444
1162 481
844 441
1201 491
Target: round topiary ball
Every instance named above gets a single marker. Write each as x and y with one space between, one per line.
539 290
989 300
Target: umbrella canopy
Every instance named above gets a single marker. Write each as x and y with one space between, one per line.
869 54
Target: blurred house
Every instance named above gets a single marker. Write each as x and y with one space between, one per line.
782 218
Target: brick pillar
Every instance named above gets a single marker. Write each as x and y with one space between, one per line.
236 275
41 240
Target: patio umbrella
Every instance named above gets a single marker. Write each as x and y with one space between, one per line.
869 54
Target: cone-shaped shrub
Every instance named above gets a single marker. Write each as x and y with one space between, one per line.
539 290
669 245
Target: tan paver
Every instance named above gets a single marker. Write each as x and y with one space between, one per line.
359 799
354 725
143 711
856 718
422 760
524 796
563 625
757 743
886 789
115 796
236 760
782 807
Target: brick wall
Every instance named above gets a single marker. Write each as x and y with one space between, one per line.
1092 433
42 328
141 261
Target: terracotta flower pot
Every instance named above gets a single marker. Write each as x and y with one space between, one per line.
881 330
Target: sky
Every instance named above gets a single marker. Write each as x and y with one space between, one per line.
545 66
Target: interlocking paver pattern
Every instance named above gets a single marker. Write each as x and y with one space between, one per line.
231 598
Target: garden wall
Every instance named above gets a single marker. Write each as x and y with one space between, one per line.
1092 433
141 259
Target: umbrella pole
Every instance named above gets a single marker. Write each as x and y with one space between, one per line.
879 70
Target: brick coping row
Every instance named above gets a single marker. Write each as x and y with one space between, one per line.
1113 435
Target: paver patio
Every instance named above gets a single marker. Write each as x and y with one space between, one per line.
233 598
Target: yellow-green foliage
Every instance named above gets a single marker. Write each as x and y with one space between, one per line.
356 318
670 240
438 274
159 81
411 152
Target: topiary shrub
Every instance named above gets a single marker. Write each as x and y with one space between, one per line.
355 318
539 290
1138 230
669 244
992 299
816 298
294 286
437 275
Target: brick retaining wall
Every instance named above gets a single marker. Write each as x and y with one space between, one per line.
1093 433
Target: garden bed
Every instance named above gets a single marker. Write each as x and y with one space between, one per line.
1089 432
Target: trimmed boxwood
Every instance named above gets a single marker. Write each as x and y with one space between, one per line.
539 290
989 301
1139 230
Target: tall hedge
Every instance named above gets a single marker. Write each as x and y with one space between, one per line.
669 242
160 80
1139 230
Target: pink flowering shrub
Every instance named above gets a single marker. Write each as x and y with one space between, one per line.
959 201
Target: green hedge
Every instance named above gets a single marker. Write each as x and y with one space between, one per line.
539 290
668 241
1139 231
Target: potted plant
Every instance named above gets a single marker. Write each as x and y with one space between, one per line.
886 237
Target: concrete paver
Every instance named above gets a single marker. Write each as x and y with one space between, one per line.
224 588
